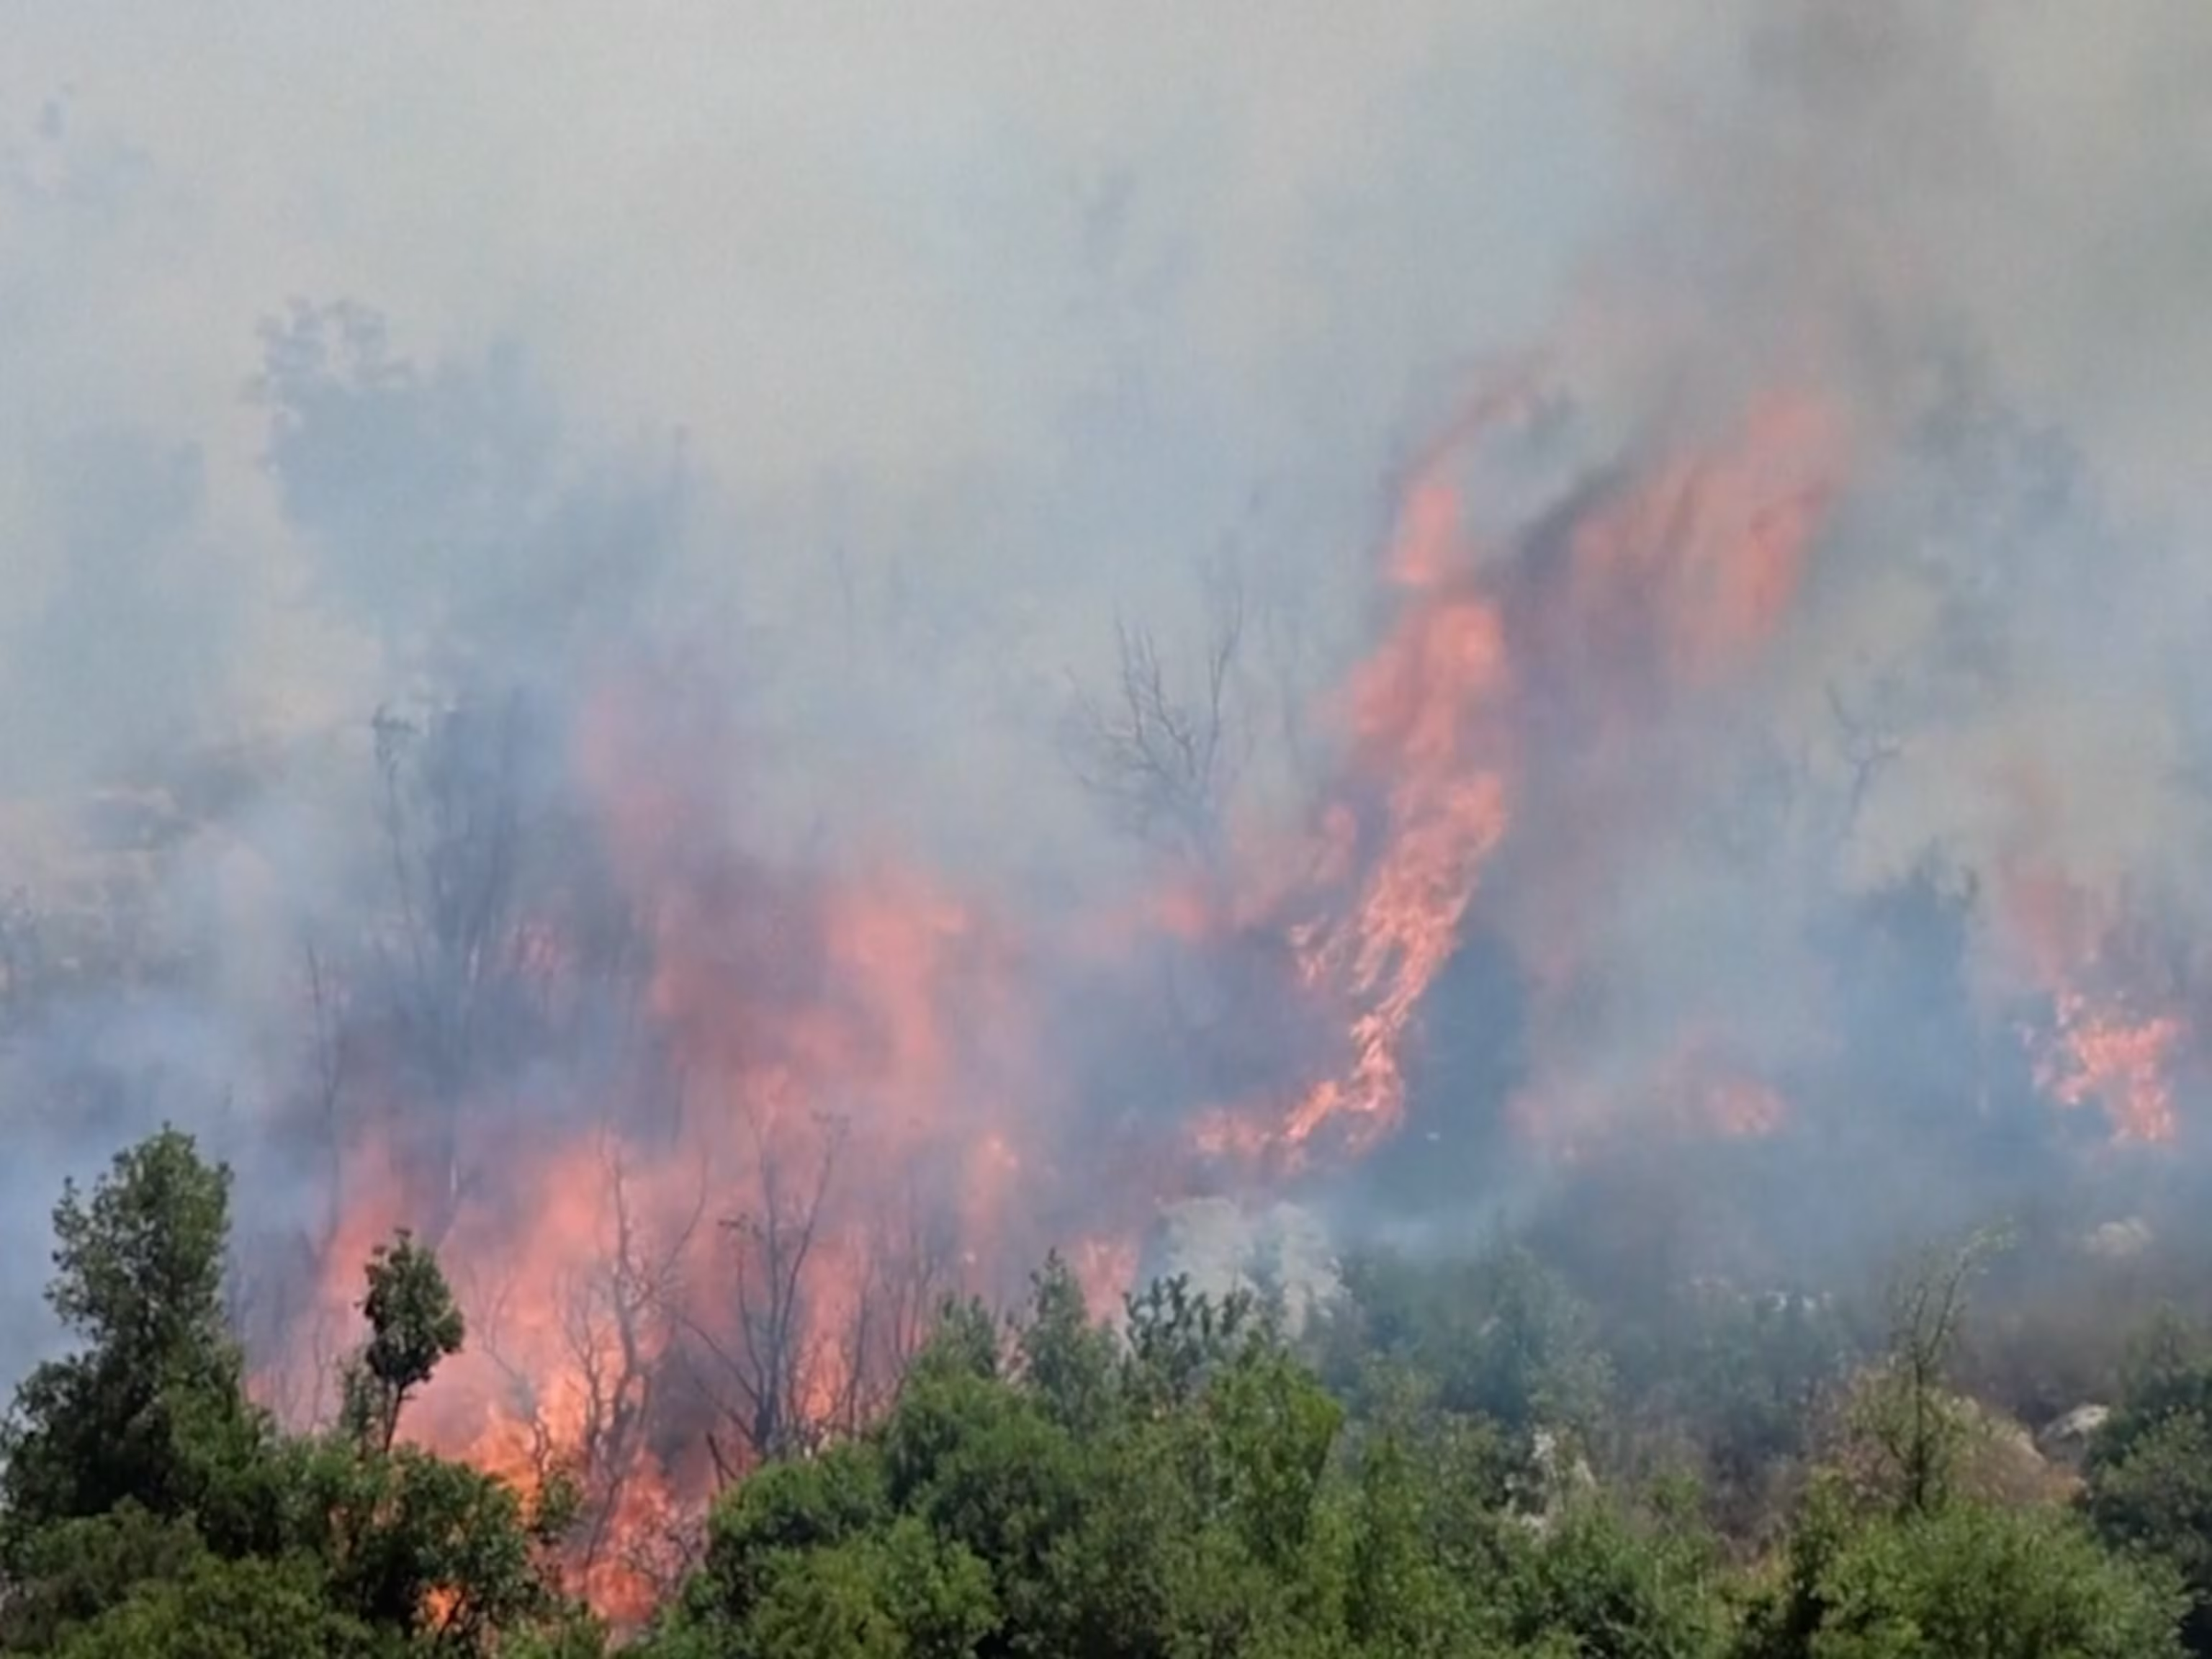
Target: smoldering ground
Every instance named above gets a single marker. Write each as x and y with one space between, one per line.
786 484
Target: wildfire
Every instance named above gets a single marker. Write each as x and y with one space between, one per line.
2109 1041
1427 739
1673 582
2097 1056
834 1105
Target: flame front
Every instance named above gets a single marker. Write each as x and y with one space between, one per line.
835 1100
1427 743
2112 1038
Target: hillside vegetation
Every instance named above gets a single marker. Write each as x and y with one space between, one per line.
1451 1459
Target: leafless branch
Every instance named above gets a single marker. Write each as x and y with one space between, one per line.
1161 758
767 1358
450 808
613 1318
1870 744
912 1265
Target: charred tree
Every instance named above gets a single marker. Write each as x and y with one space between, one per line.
1163 753
760 1357
913 1267
1160 751
450 811
617 1321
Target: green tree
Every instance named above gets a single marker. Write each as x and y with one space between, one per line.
70 1573
414 1323
1500 1337
781 1512
2149 1488
1169 1497
215 1609
1273 1427
2024 1583
1401 1600
1604 1585
413 1542
147 1507
831 1605
151 1407
1175 1338
428 1547
1065 1357
985 1467
901 1594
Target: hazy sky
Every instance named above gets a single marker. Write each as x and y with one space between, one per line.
989 318
1054 288
1035 302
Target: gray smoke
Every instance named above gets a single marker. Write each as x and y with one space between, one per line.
860 371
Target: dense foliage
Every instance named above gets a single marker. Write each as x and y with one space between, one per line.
148 1508
1445 1461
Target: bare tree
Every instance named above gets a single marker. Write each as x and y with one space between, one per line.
1161 756
765 1357
280 1293
1869 742
328 1051
1917 1424
549 1460
450 809
616 1318
913 1265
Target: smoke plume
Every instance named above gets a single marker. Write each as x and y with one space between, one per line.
752 664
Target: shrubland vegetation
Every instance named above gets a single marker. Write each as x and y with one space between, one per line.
1458 1458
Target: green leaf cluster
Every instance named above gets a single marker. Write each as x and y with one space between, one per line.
148 1507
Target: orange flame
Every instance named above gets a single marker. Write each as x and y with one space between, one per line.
2109 1041
1423 727
837 1108
1678 582
2121 1064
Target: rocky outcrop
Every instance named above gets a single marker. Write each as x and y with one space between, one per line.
2065 1440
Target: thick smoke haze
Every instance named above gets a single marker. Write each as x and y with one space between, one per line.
570 578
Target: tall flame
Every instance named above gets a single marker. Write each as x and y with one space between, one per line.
838 1104
1427 741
